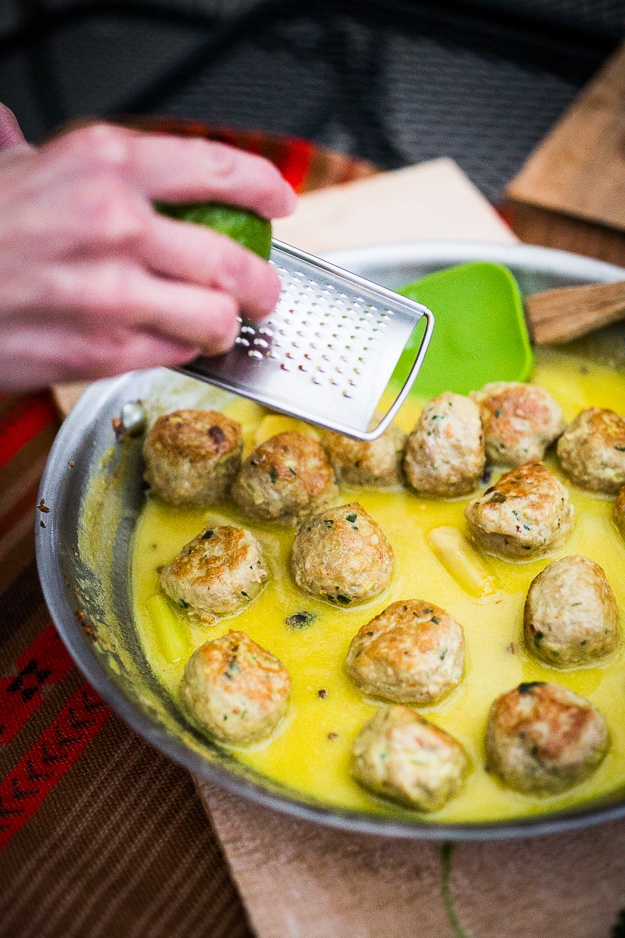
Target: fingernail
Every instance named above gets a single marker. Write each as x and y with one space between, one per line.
292 198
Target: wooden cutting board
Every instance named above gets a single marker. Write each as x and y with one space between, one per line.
571 191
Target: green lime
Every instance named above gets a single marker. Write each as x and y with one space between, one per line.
240 224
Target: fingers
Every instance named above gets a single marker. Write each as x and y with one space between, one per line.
197 255
179 169
10 132
89 295
45 355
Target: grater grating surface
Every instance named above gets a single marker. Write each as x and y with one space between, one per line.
328 350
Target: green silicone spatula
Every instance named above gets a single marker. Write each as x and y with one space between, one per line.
480 333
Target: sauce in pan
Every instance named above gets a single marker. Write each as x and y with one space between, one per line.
310 751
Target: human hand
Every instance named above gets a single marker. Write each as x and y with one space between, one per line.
94 282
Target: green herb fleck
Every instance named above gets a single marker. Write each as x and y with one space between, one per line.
300 620
273 475
184 604
247 595
435 620
344 600
351 517
446 896
529 686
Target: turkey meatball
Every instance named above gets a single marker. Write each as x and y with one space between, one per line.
216 574
525 515
374 463
413 652
400 755
234 689
192 456
542 738
285 477
592 450
520 421
341 555
570 614
445 451
618 512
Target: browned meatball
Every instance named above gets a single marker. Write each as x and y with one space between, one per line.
234 689
192 456
400 755
618 512
542 738
341 555
571 616
375 463
445 451
592 450
413 652
285 478
520 421
525 515
216 574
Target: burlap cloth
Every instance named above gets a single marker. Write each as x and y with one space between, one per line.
102 836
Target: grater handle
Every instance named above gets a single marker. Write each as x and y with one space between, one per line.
403 394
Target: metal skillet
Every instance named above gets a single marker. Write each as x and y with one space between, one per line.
94 491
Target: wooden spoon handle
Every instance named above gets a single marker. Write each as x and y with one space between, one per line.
557 316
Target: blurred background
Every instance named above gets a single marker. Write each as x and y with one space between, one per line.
392 82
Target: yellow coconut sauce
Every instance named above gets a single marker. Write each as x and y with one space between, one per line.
310 751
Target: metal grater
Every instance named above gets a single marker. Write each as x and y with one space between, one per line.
328 350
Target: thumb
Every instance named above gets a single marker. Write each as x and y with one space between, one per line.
10 133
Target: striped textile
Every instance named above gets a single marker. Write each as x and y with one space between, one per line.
100 835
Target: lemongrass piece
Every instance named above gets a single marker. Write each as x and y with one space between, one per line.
171 634
463 562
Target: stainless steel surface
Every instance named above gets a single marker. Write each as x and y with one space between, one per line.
328 351
83 553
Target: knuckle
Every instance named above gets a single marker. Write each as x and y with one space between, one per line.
234 266
96 145
91 290
113 286
110 210
223 158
